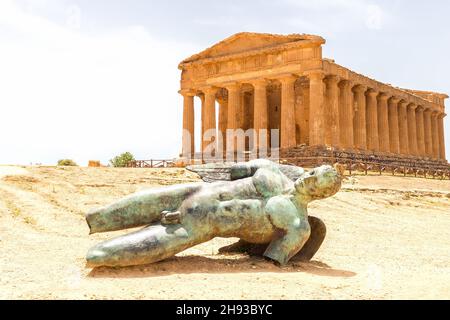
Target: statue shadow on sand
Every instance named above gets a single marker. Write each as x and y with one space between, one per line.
218 264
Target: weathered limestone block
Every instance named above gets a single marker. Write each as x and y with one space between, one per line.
283 83
287 112
188 148
412 129
441 136
372 121
346 114
435 135
260 122
383 122
359 121
332 133
316 110
403 127
420 131
428 134
394 138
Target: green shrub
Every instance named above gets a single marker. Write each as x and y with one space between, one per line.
122 160
66 162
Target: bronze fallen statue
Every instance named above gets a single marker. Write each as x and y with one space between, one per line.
260 205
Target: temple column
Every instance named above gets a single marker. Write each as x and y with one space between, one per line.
403 127
372 121
260 118
202 118
316 109
441 136
240 112
332 111
188 141
223 121
435 134
428 137
383 122
412 130
420 132
303 114
394 139
346 114
287 112
359 124
209 122
234 102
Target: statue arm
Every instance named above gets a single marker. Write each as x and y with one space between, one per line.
242 170
293 226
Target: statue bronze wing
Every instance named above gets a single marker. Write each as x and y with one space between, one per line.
211 172
227 171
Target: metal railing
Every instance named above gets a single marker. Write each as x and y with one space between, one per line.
365 167
152 163
350 165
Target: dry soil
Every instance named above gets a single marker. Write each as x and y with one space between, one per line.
388 237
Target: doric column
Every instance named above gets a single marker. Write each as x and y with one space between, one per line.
316 109
303 114
394 139
234 101
420 132
260 120
372 120
223 120
428 136
332 110
241 120
346 114
403 127
359 124
441 136
383 122
209 122
188 141
287 139
202 118
435 134
412 131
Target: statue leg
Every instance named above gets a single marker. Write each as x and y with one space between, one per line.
139 209
318 232
150 244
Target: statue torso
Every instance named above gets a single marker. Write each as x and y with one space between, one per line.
237 208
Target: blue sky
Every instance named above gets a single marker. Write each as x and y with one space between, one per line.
89 79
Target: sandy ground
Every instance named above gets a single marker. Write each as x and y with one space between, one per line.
388 237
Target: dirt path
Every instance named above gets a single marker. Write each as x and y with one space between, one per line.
388 237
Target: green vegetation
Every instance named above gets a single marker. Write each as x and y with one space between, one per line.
66 162
122 160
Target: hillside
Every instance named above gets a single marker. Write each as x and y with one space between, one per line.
388 237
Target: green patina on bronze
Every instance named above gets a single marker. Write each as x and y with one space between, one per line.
260 205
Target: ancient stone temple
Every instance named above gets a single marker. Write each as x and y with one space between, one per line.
267 81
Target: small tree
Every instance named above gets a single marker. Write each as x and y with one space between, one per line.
122 160
66 162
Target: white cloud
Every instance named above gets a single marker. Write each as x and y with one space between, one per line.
337 15
224 21
65 93
374 18
73 17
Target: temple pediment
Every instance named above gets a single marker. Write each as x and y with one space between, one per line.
247 41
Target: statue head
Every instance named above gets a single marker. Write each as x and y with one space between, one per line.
318 183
